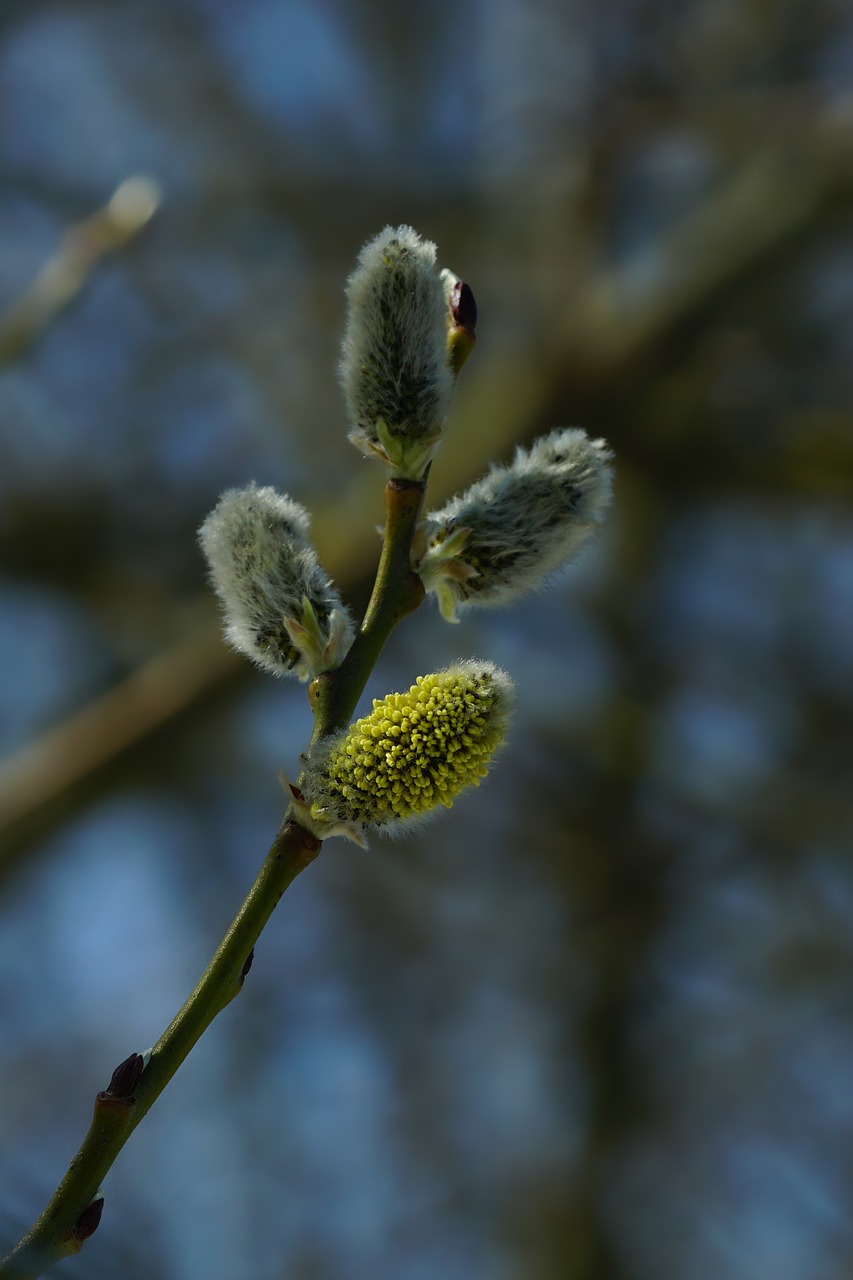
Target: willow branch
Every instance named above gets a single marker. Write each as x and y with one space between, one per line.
74 1211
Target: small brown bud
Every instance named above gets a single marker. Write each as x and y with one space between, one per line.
89 1220
126 1077
463 306
461 319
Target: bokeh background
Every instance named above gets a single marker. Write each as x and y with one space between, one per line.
598 1022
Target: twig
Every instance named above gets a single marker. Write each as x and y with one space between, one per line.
397 593
83 245
74 1211
46 770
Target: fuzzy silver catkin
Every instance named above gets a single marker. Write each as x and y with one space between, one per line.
280 608
502 537
395 373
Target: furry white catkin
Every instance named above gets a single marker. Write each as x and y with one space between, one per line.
280 608
502 537
395 370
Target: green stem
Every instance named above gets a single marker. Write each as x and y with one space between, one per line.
397 592
62 1227
74 1210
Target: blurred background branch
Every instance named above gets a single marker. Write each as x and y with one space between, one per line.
83 246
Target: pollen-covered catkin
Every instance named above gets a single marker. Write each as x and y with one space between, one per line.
502 537
280 608
414 752
395 369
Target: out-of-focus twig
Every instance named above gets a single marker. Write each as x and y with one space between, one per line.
82 247
615 322
53 764
756 212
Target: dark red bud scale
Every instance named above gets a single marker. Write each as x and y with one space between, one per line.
126 1076
463 306
89 1220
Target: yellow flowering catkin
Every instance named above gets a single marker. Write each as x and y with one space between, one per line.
414 751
